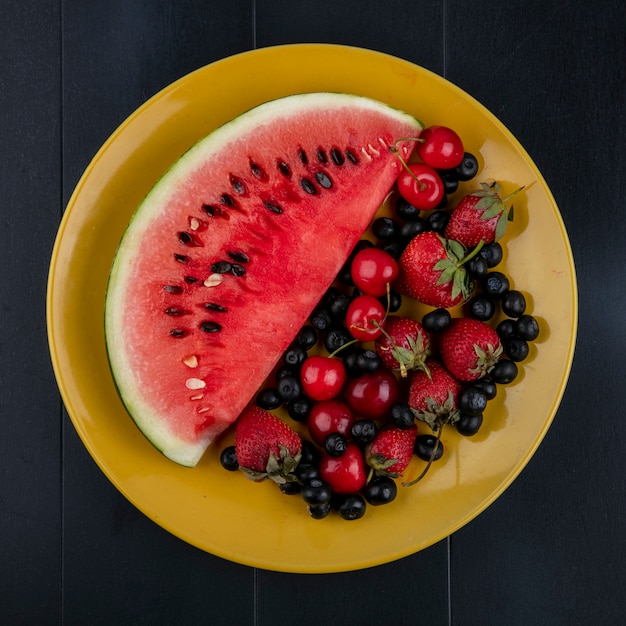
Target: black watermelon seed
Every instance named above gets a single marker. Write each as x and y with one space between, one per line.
336 156
303 156
237 270
215 211
308 186
213 306
352 157
182 258
324 180
273 207
284 169
175 312
173 288
240 257
178 332
321 155
185 238
191 279
258 171
238 185
210 327
221 267
227 200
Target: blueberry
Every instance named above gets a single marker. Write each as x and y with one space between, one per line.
472 400
338 306
380 490
393 248
306 472
306 337
350 362
289 388
425 445
401 416
395 301
335 444
495 284
321 318
291 488
506 329
504 372
450 180
385 228
368 361
336 338
492 253
527 327
268 399
436 320
411 229
351 507
228 459
295 356
469 425
363 431
406 211
513 303
299 408
316 491
319 511
488 386
482 308
477 267
516 349
310 455
438 220
468 168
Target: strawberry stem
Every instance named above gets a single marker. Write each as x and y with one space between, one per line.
473 253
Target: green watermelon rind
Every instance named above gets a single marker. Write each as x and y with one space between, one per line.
152 426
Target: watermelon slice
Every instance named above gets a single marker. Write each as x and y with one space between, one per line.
231 250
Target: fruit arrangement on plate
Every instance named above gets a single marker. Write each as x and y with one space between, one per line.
265 278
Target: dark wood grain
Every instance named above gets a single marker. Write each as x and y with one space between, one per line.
550 550
30 461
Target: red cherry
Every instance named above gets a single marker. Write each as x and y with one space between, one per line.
440 147
329 416
346 473
364 317
372 395
372 270
322 377
422 187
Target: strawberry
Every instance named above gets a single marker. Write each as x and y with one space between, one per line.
434 399
469 348
480 216
404 344
392 450
266 447
432 272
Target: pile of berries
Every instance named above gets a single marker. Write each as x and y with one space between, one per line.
361 375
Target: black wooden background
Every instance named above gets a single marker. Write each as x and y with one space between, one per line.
549 551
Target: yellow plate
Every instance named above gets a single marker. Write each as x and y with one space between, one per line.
221 512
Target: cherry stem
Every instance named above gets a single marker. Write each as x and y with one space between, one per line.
404 163
341 347
433 454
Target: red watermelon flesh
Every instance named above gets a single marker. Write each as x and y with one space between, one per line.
229 253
